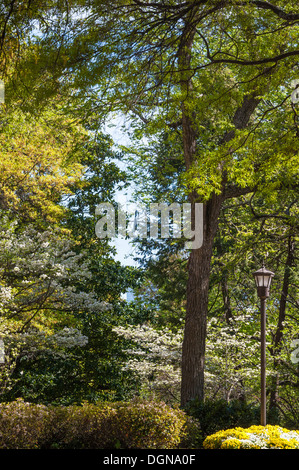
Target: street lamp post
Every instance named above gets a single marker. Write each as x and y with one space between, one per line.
263 279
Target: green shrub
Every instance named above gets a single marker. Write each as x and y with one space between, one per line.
220 414
153 425
129 425
24 425
254 437
84 427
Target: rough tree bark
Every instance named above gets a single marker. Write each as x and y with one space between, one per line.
197 296
193 353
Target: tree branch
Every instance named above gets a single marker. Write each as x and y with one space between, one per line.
266 60
11 7
236 191
275 9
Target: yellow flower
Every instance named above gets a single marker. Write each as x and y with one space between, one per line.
254 437
231 444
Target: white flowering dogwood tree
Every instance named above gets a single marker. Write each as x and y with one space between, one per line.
39 274
233 355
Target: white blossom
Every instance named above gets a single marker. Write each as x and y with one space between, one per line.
36 342
155 359
45 264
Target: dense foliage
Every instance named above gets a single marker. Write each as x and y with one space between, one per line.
125 425
208 91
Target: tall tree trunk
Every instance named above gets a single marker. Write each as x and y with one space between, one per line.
193 353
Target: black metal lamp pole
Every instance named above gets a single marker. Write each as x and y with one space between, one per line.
263 279
263 362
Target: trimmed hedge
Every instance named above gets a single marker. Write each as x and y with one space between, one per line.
128 425
23 425
150 425
82 427
254 437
